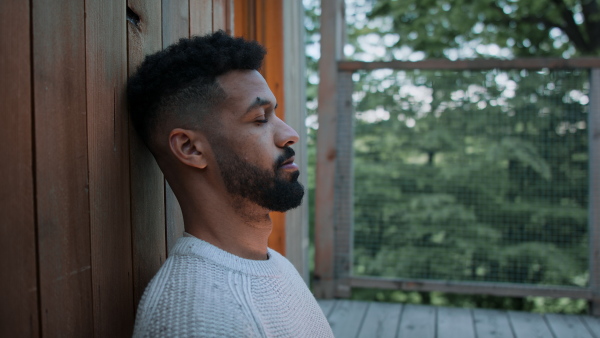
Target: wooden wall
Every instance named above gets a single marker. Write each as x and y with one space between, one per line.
86 216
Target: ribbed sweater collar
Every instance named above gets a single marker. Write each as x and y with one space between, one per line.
192 246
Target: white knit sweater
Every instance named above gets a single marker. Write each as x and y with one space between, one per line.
203 291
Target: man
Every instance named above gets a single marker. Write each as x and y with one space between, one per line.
208 117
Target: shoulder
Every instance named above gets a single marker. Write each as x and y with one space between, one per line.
189 296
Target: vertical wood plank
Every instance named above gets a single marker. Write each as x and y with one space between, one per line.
567 326
147 181
175 21
331 18
455 323
19 310
174 218
491 324
296 221
381 320
528 325
175 25
61 158
219 15
200 17
417 321
229 17
108 148
244 18
594 181
347 317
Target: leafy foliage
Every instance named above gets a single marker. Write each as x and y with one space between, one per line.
527 27
472 179
474 175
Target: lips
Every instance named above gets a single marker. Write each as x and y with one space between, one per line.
288 161
289 165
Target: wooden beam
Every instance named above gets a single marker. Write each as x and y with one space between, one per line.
294 73
471 288
61 168
19 299
331 52
343 222
476 64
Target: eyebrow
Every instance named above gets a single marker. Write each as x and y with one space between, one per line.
259 102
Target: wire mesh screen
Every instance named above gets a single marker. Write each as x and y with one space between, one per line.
471 175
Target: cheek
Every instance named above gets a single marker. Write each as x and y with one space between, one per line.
258 149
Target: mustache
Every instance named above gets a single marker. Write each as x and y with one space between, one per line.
287 154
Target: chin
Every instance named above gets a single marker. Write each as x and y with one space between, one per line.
286 198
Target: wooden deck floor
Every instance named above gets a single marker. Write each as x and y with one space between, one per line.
371 319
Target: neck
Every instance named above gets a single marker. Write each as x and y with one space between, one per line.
238 227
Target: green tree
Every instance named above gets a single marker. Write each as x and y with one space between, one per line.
527 27
475 175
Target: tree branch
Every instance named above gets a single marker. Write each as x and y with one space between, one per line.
571 28
591 17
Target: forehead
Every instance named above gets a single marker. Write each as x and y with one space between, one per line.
244 86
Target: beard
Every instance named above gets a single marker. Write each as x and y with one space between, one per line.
271 188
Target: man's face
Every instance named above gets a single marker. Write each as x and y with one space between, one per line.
252 146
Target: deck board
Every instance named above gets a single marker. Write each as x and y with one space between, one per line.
417 321
326 306
593 324
455 323
381 321
492 324
529 325
373 319
346 317
568 326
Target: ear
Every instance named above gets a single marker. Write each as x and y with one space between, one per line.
187 146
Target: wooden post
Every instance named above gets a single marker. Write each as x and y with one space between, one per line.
296 221
19 299
344 186
594 178
331 52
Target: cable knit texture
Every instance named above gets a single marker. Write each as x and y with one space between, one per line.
203 291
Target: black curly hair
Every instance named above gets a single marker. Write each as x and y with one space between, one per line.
179 82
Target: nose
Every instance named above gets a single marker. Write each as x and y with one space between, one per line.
285 135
